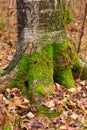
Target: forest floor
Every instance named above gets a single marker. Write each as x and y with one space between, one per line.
64 110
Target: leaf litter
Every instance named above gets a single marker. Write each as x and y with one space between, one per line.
17 112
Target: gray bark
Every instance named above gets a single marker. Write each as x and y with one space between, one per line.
27 21
39 23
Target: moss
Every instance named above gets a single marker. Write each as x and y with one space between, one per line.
77 69
68 18
1 24
34 76
21 76
37 72
8 127
47 51
63 64
44 111
64 77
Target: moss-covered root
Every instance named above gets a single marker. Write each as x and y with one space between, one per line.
65 77
64 60
35 75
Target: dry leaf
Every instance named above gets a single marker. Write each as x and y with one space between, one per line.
72 90
63 127
71 128
25 101
74 116
49 104
30 115
57 87
83 83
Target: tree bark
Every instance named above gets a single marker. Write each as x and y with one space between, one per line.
27 22
41 23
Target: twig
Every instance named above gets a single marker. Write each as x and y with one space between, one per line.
82 28
11 3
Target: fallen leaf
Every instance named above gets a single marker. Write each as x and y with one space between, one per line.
49 104
63 127
71 128
83 83
25 101
46 122
74 116
30 115
72 90
57 86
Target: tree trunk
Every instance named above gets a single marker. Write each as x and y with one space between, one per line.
27 22
41 24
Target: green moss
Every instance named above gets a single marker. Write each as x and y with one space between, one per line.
63 64
37 72
34 76
68 18
47 51
21 76
44 111
64 76
8 127
1 24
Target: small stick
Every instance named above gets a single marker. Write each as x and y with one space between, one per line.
11 3
82 28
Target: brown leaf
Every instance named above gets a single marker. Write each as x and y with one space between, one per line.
25 101
74 116
46 122
71 128
83 83
57 87
15 92
16 102
30 115
49 104
63 127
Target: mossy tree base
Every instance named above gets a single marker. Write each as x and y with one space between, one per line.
37 72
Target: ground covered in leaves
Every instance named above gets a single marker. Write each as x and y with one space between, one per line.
8 31
65 110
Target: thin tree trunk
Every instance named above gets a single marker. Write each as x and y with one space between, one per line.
82 29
